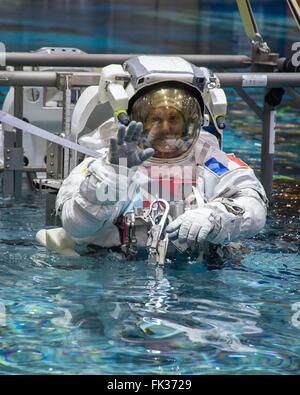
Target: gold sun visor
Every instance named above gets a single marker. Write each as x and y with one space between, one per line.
171 118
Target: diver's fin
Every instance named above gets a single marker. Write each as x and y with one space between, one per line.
58 240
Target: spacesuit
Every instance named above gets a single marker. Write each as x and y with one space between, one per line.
162 128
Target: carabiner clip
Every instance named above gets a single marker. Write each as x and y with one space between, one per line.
158 218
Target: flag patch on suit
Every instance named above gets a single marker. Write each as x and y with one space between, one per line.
219 168
238 161
216 167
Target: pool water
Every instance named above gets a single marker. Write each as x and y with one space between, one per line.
99 314
103 315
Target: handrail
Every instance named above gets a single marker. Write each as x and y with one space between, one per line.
100 60
82 79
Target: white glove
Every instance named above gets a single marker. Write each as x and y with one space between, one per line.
193 226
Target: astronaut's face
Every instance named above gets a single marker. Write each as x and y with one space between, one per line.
165 127
171 119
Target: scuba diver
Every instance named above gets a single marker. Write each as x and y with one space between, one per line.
161 181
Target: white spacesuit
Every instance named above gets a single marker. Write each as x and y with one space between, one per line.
169 102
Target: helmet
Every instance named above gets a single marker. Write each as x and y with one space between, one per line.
171 114
160 90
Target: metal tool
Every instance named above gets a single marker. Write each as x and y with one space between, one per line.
158 241
129 247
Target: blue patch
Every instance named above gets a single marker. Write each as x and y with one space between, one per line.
90 164
216 167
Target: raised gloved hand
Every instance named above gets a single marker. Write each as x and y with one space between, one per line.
125 146
193 226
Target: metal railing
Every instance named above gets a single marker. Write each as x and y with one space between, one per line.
101 60
84 79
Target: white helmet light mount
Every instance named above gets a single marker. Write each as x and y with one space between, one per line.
111 89
119 85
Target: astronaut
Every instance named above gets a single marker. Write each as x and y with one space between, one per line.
164 107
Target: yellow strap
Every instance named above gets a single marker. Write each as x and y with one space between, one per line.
117 112
295 10
247 18
86 166
218 115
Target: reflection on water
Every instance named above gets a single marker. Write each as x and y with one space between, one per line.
101 314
